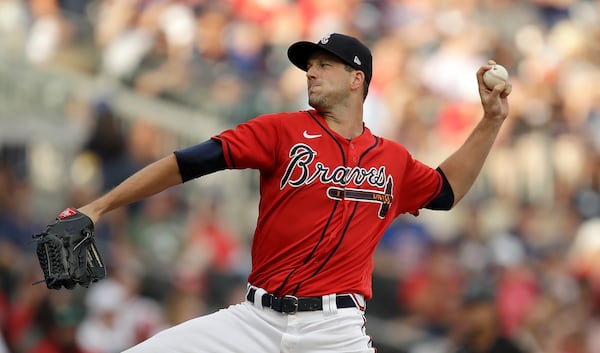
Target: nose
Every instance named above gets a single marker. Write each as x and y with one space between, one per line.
310 72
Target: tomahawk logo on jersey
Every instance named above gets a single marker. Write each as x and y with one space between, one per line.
332 196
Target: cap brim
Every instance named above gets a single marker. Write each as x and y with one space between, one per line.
299 52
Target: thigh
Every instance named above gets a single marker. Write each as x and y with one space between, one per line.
239 328
344 331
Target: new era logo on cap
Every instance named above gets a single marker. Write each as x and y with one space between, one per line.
348 49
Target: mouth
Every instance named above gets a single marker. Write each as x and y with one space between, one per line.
313 86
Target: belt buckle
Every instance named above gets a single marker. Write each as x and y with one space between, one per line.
289 304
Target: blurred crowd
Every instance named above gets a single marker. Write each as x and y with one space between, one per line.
514 268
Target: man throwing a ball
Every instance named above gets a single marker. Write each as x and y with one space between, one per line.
329 189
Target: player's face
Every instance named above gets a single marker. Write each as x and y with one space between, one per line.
328 80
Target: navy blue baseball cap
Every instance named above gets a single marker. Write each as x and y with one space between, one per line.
348 49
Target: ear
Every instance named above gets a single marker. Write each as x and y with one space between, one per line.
357 80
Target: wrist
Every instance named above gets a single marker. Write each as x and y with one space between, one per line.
90 211
494 119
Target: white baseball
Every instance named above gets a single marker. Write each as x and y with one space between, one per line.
497 74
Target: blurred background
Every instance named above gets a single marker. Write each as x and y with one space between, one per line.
92 90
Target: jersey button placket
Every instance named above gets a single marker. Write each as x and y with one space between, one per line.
352 163
353 154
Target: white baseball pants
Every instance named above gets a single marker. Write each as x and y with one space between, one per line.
250 328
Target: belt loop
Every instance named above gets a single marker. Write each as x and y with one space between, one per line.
329 305
258 297
325 309
333 304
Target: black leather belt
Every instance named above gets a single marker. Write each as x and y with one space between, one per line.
289 304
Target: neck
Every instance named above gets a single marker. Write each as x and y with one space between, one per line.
346 122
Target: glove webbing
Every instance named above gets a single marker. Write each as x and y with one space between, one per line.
52 254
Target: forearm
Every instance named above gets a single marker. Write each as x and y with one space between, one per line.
149 181
464 165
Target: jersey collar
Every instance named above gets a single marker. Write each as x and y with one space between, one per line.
365 138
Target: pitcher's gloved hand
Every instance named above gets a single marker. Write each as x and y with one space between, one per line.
67 252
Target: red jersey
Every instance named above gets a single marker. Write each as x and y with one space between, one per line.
325 200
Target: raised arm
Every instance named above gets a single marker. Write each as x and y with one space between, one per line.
463 166
150 180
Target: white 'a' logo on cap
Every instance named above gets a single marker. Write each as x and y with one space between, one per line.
357 60
325 39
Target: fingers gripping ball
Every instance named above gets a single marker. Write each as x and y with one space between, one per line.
497 74
67 252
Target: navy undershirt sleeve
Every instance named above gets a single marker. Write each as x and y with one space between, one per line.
201 159
445 199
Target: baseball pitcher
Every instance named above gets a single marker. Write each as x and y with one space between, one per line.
329 188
